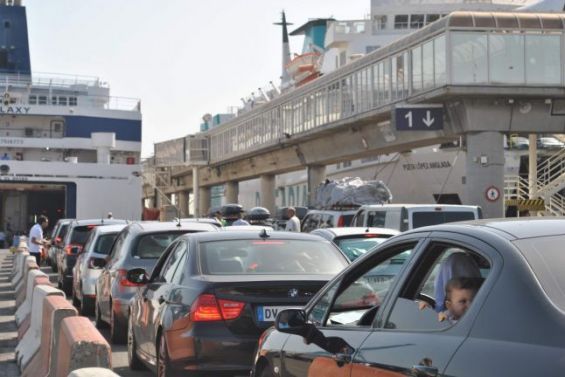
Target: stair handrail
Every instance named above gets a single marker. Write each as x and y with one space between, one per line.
551 169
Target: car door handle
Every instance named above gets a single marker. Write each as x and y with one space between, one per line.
342 359
424 371
161 299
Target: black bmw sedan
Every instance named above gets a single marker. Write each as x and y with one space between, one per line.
471 299
210 297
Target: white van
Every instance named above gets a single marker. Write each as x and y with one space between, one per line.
410 216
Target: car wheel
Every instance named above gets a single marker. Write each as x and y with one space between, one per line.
133 360
266 371
87 306
98 317
118 334
163 359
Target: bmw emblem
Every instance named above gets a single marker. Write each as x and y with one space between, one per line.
293 292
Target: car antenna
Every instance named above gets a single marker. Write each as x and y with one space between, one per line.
178 222
263 233
367 230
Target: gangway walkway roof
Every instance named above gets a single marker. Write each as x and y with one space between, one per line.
481 50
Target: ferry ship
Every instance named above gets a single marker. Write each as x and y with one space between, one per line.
67 148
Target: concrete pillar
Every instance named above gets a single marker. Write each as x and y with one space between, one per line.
484 185
533 166
203 201
316 175
231 191
196 190
268 192
182 203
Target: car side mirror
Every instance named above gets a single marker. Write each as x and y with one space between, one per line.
137 276
292 321
75 250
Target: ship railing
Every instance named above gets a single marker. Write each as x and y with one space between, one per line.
54 80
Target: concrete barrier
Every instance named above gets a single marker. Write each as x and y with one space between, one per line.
25 308
30 343
81 346
24 325
22 291
55 309
18 270
29 263
93 372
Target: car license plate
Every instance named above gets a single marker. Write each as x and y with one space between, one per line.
269 313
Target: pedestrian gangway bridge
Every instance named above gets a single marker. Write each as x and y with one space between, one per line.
476 74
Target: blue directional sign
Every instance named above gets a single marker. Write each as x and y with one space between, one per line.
418 118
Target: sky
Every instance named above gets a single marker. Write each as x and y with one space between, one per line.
182 58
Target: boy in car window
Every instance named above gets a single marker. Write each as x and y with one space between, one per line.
459 294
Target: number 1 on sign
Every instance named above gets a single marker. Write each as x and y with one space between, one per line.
409 117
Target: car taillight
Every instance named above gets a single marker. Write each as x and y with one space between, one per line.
206 308
70 247
123 281
341 222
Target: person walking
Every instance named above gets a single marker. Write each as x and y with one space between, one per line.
239 220
293 223
36 240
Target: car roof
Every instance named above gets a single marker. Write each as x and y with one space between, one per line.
408 205
156 226
238 235
353 231
98 222
246 228
331 211
510 228
110 228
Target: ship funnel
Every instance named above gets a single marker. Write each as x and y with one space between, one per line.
285 77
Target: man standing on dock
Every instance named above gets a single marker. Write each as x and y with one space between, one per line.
36 238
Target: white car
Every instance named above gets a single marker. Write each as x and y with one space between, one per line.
89 265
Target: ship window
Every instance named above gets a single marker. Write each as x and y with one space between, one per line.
379 23
401 21
7 24
72 101
33 100
42 100
62 101
432 18
53 100
416 21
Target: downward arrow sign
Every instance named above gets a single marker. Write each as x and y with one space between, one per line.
428 120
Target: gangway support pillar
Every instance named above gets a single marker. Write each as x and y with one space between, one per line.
183 203
203 201
231 192
268 192
316 175
196 192
485 172
533 165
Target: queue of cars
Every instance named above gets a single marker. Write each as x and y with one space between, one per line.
190 296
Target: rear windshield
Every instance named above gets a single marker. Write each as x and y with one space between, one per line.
277 257
546 257
354 247
104 243
152 245
347 219
63 231
80 234
420 219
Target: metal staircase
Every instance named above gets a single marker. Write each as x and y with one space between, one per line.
551 180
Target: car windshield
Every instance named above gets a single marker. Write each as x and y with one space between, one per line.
546 257
420 219
278 257
354 247
152 245
104 243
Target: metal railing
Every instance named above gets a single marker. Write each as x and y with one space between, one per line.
556 205
551 174
515 187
